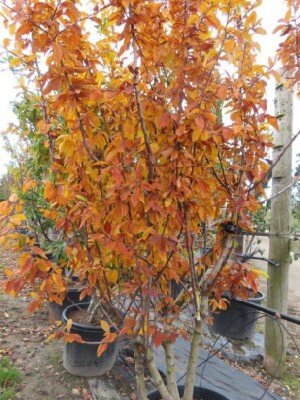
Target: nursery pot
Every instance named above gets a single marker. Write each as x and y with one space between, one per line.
81 358
72 297
176 289
238 321
199 394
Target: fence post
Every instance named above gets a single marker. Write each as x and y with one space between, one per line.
279 250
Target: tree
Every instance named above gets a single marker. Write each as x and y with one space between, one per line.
5 186
28 169
130 93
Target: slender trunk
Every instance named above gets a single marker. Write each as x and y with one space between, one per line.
158 382
213 272
171 371
139 373
193 361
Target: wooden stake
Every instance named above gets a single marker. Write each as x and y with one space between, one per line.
279 250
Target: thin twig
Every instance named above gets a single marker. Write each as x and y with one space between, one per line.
280 155
279 193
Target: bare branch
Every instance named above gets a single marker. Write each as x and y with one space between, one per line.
280 155
138 103
279 193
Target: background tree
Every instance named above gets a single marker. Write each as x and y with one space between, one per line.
28 169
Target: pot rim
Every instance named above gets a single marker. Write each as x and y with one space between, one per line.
197 388
259 296
78 325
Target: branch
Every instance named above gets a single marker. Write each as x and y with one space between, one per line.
279 193
193 361
84 139
139 373
159 383
280 155
171 370
138 103
215 270
189 248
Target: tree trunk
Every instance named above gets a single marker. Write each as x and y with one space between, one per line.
171 371
139 373
193 361
158 382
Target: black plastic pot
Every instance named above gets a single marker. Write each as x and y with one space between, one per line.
176 289
72 297
199 394
238 321
81 358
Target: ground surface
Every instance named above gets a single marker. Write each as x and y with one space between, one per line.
289 386
23 341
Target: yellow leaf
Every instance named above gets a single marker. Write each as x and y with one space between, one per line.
155 147
81 197
57 279
112 276
49 190
14 62
129 130
168 202
260 272
8 272
67 146
204 135
229 45
196 135
260 31
105 326
251 19
31 58
18 218
29 185
13 197
6 42
12 29
69 324
50 337
66 191
192 19
99 77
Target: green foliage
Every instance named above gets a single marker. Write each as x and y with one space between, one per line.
5 186
260 219
57 249
8 374
7 394
292 381
29 169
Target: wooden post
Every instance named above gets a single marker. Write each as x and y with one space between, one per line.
279 250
